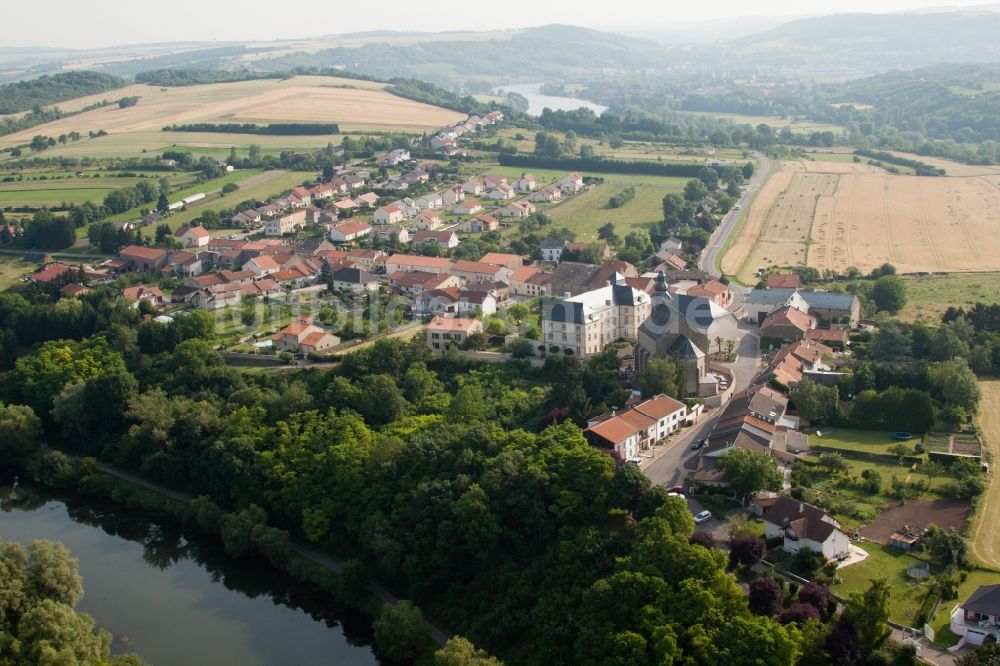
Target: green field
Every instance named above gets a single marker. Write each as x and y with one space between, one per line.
905 596
13 268
773 121
585 213
58 189
928 296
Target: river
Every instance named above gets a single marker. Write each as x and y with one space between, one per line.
177 599
537 102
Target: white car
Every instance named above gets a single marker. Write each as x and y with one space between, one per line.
702 517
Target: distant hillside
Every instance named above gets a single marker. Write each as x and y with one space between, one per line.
23 95
957 102
550 51
877 42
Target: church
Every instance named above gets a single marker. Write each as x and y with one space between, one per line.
682 327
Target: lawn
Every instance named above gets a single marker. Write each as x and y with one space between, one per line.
869 441
13 268
586 212
905 596
928 296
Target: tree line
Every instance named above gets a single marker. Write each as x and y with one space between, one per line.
277 129
49 89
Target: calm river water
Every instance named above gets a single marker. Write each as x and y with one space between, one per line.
538 102
179 600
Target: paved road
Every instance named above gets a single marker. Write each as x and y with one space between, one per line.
707 262
436 633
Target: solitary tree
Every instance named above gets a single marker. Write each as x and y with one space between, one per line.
748 472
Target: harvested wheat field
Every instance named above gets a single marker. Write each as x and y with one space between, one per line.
836 218
352 105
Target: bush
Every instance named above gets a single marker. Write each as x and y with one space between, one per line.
399 632
764 596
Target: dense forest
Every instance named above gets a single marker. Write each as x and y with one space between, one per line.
25 95
467 487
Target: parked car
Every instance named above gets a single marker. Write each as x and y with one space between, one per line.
634 461
702 517
675 495
676 489
698 443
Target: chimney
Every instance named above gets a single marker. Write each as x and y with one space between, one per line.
802 507
566 294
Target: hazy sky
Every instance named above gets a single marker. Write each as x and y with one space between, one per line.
71 23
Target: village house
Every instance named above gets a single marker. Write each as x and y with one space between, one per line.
445 239
477 271
344 206
368 199
300 197
473 186
400 235
51 272
262 265
354 280
417 282
571 183
528 281
393 158
804 526
511 261
183 264
390 214
797 360
193 236
627 433
978 617
348 232
141 293
521 208
428 220
713 290
500 192
144 259
443 332
525 184
783 281
787 323
322 191
269 210
548 194
369 260
304 337
432 201
285 224
552 249
452 195
482 224
467 208
73 289
414 262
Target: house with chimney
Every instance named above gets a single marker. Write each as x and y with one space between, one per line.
802 526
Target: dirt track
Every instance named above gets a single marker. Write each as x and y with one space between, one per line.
986 530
